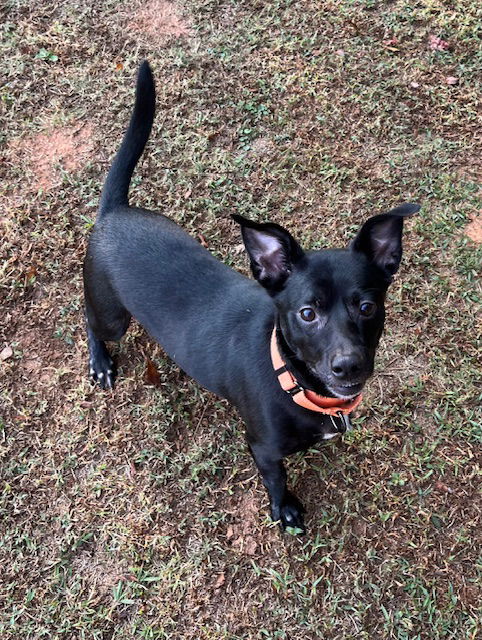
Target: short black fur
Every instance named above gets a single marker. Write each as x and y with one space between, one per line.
216 324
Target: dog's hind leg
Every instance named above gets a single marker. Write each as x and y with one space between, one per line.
106 320
101 365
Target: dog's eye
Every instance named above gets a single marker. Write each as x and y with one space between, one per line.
307 314
367 308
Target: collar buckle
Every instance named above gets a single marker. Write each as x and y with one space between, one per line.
294 390
345 422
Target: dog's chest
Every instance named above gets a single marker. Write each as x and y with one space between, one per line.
305 433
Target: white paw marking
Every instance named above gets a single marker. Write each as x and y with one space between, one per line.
101 375
92 372
109 371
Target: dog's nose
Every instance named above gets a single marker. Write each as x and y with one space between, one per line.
346 366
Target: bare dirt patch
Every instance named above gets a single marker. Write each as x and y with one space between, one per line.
47 154
160 20
241 534
262 147
474 228
99 570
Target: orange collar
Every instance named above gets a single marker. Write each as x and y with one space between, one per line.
304 397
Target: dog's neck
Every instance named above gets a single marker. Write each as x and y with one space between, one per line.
298 368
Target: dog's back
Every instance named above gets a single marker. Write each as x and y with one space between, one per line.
139 263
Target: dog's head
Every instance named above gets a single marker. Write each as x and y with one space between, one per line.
331 302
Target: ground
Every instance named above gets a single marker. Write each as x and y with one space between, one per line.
138 513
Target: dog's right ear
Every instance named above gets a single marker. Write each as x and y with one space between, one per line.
272 251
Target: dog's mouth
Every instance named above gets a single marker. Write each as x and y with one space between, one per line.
345 391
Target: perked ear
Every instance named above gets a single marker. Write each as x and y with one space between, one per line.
272 251
380 238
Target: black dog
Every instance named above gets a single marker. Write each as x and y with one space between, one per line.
292 354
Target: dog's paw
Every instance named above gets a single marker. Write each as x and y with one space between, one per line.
102 370
290 514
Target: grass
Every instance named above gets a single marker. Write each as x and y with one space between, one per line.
138 513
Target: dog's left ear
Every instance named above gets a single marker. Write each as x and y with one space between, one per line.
380 238
272 251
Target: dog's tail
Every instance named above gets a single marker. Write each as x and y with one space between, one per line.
116 186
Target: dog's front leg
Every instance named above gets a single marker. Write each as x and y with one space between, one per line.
285 506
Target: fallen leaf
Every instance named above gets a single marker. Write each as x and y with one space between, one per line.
132 469
451 80
152 374
6 353
443 487
119 66
246 544
239 248
203 241
250 546
219 581
294 531
437 44
391 44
